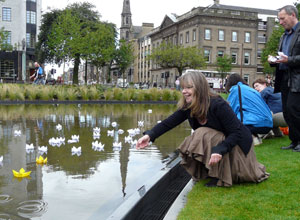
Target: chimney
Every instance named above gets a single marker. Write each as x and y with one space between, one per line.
216 2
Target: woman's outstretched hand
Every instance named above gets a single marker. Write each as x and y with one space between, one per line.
143 142
214 159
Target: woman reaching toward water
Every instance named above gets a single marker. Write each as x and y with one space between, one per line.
221 146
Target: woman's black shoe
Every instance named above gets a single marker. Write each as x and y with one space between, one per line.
212 183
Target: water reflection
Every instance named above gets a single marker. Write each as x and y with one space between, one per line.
95 181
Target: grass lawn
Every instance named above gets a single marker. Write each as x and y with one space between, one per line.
276 198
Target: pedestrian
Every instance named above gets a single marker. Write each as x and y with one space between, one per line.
38 77
249 106
273 100
177 84
220 148
287 77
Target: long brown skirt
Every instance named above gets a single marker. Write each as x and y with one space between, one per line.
234 167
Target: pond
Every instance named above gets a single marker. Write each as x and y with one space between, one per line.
87 184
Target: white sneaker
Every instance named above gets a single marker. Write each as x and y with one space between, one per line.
257 141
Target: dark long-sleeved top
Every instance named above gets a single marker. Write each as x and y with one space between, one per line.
220 117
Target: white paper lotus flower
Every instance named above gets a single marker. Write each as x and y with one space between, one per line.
120 131
43 149
114 124
131 132
29 147
17 133
149 111
96 129
56 141
117 144
128 139
141 123
75 137
96 135
76 151
58 127
97 146
1 159
133 143
110 133
137 131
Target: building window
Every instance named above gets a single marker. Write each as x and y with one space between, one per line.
247 58
247 37
127 34
6 68
181 39
221 35
6 14
220 53
259 52
30 40
233 58
7 40
187 37
31 0
31 17
235 13
234 36
207 34
207 55
194 35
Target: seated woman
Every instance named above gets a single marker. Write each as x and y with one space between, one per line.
274 102
221 147
248 105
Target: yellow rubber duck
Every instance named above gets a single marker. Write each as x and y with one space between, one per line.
41 160
21 173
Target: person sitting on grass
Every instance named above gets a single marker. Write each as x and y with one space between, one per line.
274 102
221 147
249 106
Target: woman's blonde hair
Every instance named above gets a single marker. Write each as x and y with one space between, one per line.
202 93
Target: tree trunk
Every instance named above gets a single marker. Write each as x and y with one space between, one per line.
76 67
85 74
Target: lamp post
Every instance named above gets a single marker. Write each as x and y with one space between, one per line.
242 51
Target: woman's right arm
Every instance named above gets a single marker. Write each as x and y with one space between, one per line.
172 121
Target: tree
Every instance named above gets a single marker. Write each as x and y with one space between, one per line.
224 65
124 57
71 35
177 56
4 46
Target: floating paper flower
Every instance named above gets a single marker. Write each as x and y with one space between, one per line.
110 133
21 173
17 133
96 135
137 131
76 151
29 147
133 143
128 139
96 129
114 124
131 132
41 160
120 131
1 159
56 141
43 149
58 127
74 139
117 146
141 123
149 111
97 146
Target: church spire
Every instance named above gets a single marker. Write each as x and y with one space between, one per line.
126 22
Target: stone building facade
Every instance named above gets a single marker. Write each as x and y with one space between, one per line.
217 30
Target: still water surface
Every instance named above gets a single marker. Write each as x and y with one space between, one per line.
89 186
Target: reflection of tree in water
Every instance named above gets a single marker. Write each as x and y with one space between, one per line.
39 121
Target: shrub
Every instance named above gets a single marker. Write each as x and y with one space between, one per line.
117 94
166 95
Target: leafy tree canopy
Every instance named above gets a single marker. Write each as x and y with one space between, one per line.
177 56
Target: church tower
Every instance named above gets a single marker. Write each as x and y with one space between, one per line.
126 22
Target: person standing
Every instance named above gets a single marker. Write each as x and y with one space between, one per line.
287 78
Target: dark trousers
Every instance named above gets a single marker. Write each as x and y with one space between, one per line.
291 110
258 130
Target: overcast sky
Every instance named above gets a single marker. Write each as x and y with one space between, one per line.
154 11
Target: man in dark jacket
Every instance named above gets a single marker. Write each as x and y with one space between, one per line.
287 79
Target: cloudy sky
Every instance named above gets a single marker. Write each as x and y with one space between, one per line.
153 11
